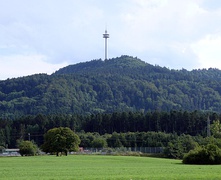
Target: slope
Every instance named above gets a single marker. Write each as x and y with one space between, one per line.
119 84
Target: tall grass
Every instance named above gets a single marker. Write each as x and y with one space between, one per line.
101 167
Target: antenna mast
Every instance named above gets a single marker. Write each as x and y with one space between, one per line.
105 36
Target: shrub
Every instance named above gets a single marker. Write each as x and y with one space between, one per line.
209 154
2 148
27 148
178 147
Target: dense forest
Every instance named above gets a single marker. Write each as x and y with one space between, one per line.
174 122
120 102
122 84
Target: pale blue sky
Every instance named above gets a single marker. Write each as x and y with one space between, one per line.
45 35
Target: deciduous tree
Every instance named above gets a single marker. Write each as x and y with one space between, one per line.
62 139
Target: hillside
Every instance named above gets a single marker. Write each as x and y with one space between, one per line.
119 84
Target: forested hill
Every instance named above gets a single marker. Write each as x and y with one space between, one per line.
118 84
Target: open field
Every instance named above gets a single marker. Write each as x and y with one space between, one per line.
102 167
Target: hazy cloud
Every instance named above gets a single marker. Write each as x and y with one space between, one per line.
23 65
45 35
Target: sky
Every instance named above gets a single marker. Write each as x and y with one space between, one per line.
45 35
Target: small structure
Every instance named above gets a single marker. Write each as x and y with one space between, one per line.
10 152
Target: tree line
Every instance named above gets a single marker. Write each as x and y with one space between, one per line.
205 150
175 122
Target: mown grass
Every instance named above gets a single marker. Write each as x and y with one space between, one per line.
102 167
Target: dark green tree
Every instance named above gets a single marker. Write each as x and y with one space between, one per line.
177 147
216 129
99 143
2 137
1 148
114 140
58 140
209 154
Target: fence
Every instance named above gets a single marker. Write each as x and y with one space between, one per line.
149 150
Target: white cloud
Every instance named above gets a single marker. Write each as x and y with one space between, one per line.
211 4
23 65
165 32
208 51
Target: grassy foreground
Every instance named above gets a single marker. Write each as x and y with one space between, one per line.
102 167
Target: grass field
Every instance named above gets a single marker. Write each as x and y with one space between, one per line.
102 167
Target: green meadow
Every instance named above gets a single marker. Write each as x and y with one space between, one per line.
102 167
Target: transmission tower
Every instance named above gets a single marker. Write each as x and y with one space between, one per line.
105 36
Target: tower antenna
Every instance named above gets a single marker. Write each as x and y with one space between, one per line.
106 36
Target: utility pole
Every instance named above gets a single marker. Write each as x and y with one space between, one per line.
29 138
208 127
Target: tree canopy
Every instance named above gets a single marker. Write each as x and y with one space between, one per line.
58 140
179 122
209 154
120 84
27 148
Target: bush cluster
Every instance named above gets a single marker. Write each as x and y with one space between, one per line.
27 148
209 154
